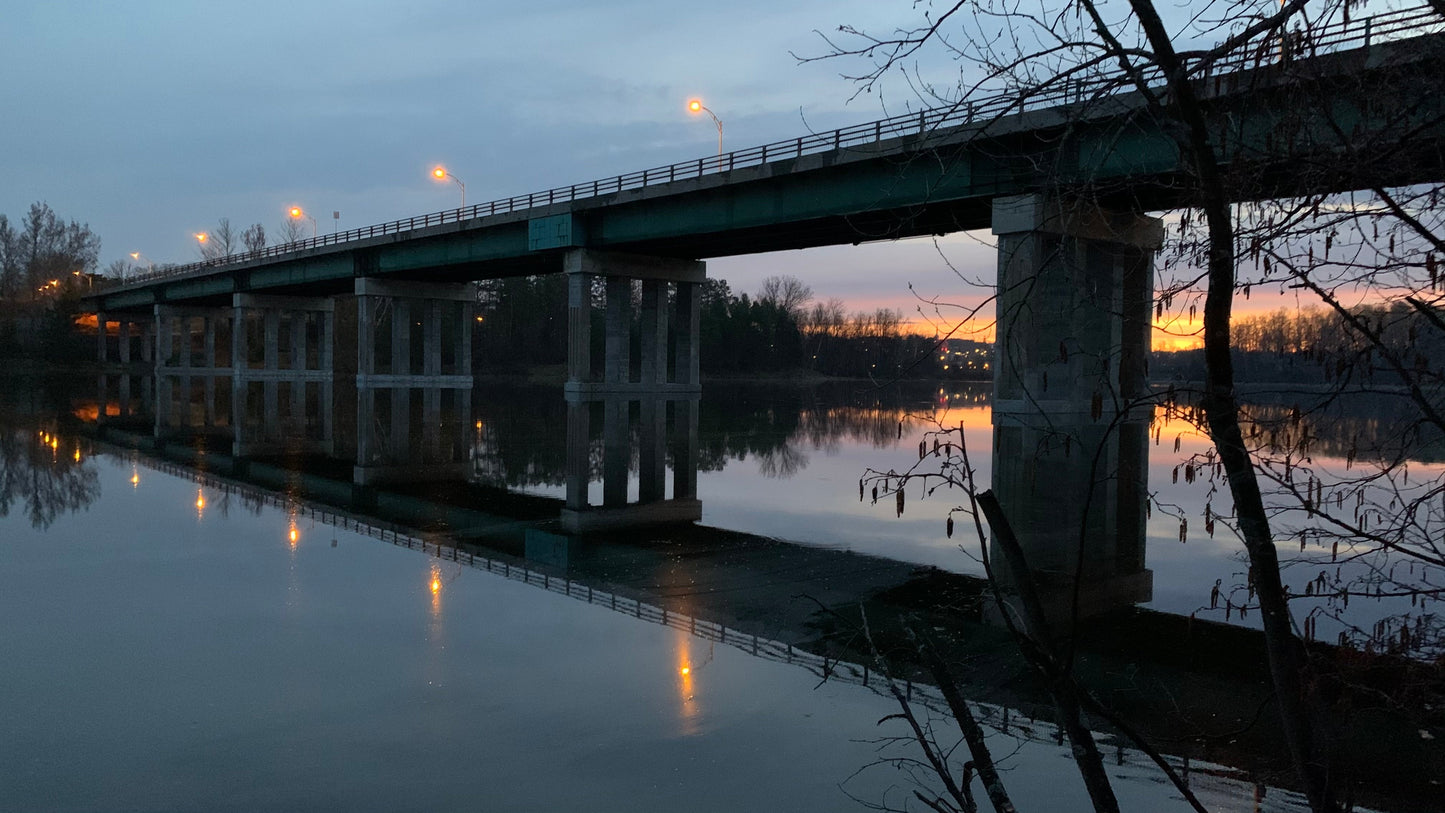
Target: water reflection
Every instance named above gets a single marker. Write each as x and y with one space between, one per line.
35 477
710 586
778 461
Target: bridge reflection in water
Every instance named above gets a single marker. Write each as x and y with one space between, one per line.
1169 676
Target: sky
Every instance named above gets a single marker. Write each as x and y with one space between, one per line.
152 119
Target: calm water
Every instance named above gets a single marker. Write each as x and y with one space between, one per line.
184 638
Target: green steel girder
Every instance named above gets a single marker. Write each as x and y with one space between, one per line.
300 272
461 248
1270 124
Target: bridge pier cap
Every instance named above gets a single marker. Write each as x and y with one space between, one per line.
1075 217
634 266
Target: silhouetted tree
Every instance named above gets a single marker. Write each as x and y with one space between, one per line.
1249 225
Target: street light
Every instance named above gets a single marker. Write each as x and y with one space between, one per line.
297 214
138 257
696 106
440 173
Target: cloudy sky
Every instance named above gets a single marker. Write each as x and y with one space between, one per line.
152 119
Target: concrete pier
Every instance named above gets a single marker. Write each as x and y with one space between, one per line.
669 310
1071 402
413 380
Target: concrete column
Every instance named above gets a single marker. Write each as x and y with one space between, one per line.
325 355
100 323
123 340
464 353
272 346
208 350
1070 386
298 404
164 335
432 338
616 452
299 347
270 410
147 341
688 354
123 396
579 327
398 449
651 450
164 399
365 336
1074 306
431 425
400 337
208 342
366 452
619 269
239 350
619 331
579 458
654 332
684 449
328 415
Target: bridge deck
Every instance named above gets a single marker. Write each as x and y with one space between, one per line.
932 172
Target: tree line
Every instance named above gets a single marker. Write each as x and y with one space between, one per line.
777 330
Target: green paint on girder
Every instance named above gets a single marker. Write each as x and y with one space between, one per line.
501 242
299 272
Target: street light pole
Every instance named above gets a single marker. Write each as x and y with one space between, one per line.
696 106
440 173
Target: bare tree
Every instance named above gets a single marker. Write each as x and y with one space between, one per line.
291 232
10 266
221 241
48 249
254 238
788 293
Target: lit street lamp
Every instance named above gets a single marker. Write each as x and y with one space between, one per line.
440 173
696 106
138 257
297 214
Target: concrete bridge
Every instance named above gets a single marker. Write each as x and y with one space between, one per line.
1063 178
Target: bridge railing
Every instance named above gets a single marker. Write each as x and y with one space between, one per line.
1338 36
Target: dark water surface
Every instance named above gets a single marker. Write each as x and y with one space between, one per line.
219 637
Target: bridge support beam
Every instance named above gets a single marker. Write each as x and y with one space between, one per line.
670 300
1070 383
185 341
413 379
281 351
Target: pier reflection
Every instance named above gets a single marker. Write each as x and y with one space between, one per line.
712 585
1075 495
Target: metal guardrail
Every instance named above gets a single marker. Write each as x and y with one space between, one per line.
1388 26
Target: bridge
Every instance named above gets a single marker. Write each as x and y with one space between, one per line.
1076 167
